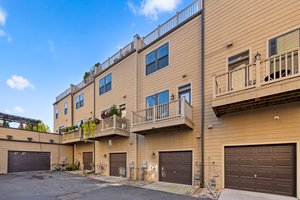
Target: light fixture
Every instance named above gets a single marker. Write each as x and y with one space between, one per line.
172 97
229 44
210 126
105 155
153 155
109 142
276 118
257 56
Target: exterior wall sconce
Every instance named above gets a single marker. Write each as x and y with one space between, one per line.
257 56
276 118
172 97
109 142
229 44
153 155
105 155
210 126
184 76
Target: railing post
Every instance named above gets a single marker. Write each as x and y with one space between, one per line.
177 18
154 113
182 106
102 124
214 86
158 30
258 70
115 122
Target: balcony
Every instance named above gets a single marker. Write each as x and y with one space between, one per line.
173 115
272 81
113 126
72 137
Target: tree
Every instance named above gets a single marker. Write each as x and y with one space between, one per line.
41 127
6 124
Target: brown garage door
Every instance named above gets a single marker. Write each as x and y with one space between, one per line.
87 160
176 167
20 161
265 168
117 164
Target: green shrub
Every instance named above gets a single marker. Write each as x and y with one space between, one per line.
72 167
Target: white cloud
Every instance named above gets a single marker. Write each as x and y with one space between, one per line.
19 109
152 8
2 17
2 33
19 83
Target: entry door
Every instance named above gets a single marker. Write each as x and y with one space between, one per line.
264 168
20 161
117 164
176 167
87 160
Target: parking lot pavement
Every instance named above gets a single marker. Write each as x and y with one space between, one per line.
64 186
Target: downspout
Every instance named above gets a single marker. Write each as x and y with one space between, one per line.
202 95
72 117
94 110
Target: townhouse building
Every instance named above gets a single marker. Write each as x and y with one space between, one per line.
252 83
154 83
210 95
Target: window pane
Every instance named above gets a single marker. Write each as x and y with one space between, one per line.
163 62
163 51
102 82
150 101
77 99
150 68
82 97
150 58
185 87
108 78
108 87
102 90
163 97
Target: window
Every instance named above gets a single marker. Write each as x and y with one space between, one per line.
185 91
80 101
59 129
157 99
56 113
240 75
66 108
283 43
123 110
79 123
105 84
161 99
157 59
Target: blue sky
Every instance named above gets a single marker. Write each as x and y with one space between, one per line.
47 44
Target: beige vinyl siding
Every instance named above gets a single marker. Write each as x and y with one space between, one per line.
62 120
247 25
184 60
79 149
122 92
87 110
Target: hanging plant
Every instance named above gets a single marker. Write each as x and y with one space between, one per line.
89 128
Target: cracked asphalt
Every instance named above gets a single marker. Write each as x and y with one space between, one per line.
64 186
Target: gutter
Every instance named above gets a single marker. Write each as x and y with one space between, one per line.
202 94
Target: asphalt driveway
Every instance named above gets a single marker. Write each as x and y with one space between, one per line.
64 186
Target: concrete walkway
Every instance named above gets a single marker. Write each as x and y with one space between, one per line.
109 179
229 194
169 187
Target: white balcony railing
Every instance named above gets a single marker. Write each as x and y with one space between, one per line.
114 122
173 109
172 23
64 94
263 72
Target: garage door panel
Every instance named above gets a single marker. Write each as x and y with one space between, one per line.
118 164
20 161
273 170
175 167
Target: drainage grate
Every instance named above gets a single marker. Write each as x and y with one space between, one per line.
69 196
